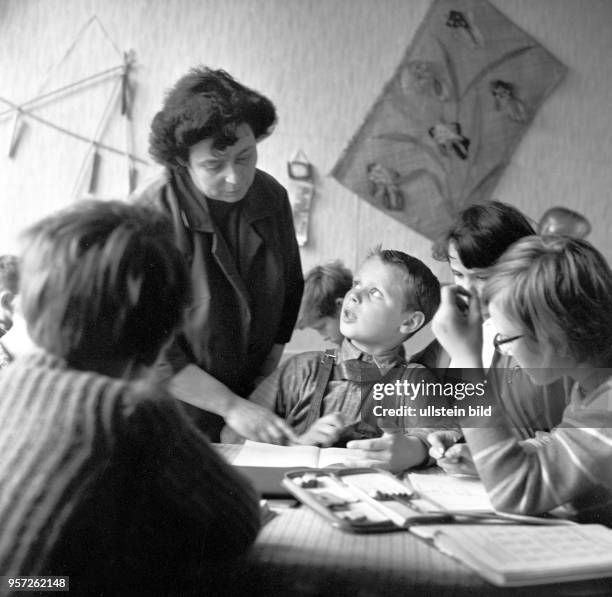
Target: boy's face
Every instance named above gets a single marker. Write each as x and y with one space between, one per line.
374 310
329 328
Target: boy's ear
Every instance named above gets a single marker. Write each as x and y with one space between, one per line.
338 302
413 322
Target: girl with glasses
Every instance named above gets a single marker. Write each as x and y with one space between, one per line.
550 300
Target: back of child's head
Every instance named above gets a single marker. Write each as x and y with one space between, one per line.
419 285
104 281
482 232
323 286
560 290
9 274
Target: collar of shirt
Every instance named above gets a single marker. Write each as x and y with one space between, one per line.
356 365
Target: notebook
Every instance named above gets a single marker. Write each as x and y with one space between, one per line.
520 555
451 492
269 455
265 465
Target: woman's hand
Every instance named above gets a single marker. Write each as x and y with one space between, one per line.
324 432
452 457
394 451
458 326
257 423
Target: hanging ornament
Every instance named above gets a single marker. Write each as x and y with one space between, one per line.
301 193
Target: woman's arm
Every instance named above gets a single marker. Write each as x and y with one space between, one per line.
198 388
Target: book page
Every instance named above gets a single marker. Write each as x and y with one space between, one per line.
452 493
340 456
260 454
522 555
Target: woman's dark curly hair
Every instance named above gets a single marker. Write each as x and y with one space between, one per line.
205 104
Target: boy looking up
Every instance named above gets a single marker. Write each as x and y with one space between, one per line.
324 290
327 397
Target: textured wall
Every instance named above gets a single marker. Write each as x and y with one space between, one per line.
323 62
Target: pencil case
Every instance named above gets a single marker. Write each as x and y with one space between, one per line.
361 500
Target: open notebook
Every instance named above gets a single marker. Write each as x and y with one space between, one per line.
266 464
451 492
258 454
518 555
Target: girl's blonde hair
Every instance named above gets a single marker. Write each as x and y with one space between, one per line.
560 290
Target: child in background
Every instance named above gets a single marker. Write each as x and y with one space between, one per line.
103 477
550 299
16 342
9 284
472 244
327 397
324 290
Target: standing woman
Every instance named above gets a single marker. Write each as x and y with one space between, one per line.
234 224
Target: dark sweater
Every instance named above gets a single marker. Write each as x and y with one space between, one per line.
109 483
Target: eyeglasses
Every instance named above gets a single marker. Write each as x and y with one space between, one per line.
501 343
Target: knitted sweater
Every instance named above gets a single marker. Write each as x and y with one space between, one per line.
569 466
109 483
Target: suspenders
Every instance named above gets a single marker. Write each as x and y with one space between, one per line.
325 373
328 361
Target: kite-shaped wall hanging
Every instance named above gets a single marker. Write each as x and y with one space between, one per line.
118 105
441 133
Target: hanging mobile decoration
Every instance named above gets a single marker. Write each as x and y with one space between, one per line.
122 89
301 173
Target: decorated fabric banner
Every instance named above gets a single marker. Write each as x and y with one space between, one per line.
441 133
301 193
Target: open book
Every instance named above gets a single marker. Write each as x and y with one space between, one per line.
518 555
270 455
266 464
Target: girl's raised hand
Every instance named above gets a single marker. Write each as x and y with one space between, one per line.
458 326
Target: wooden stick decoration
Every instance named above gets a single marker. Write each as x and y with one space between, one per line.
18 125
126 110
65 131
94 147
75 85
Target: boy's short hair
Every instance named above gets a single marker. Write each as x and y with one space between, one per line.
103 280
482 232
323 285
9 273
560 289
420 286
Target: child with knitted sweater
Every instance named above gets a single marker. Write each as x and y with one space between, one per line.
103 478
